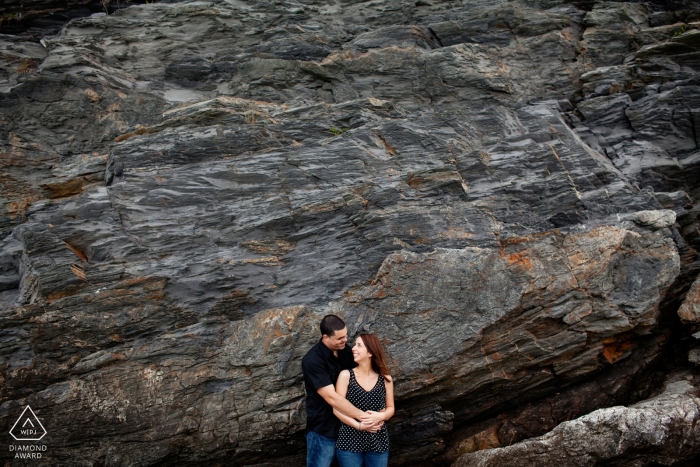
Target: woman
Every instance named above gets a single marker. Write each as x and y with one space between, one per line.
370 388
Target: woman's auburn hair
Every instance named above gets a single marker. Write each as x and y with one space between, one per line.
374 347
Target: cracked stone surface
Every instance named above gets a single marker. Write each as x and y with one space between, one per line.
504 191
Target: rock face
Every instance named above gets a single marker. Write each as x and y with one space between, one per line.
505 192
38 18
690 310
663 429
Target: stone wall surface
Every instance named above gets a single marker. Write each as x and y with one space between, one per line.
505 192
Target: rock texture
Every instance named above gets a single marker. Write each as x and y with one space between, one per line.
629 380
662 430
690 310
504 191
38 18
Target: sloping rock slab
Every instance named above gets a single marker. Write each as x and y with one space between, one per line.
663 429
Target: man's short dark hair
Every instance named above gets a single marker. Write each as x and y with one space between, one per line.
330 324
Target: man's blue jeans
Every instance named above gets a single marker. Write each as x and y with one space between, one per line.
320 451
360 459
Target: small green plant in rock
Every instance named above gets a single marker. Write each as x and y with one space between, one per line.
336 131
679 31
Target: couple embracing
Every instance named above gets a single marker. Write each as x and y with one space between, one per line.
349 396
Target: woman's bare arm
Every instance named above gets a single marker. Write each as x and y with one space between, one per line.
389 411
339 402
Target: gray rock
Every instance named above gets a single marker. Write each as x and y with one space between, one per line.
661 429
610 32
694 356
505 192
690 309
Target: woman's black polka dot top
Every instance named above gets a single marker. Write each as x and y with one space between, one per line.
350 439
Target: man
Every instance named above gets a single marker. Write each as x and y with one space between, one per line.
321 367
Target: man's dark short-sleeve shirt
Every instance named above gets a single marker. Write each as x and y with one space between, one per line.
321 368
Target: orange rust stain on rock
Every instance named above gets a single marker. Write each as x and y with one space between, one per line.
16 208
389 149
19 194
117 293
487 439
79 272
61 294
138 131
614 350
276 247
323 207
230 304
688 311
124 137
92 95
520 259
134 281
578 258
150 283
77 252
352 296
383 279
270 337
12 159
73 186
495 357
528 238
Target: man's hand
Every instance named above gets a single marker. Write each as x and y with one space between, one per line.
372 418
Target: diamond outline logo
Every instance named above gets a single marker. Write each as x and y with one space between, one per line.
36 419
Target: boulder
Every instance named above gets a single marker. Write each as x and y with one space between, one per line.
690 309
662 429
